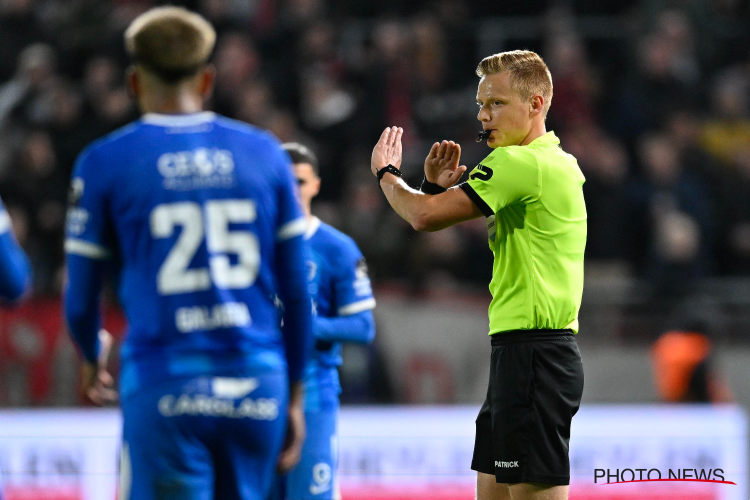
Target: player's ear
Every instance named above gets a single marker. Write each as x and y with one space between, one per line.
537 105
207 80
316 186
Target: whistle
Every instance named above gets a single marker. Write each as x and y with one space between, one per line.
483 135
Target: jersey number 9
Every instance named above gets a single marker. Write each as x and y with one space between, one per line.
174 276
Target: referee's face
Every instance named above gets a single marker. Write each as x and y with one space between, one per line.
503 111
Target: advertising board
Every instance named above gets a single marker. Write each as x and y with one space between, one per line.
399 452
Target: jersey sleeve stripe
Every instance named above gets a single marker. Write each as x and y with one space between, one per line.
296 227
357 307
5 222
86 249
478 201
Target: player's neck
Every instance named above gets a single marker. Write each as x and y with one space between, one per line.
537 130
308 213
180 102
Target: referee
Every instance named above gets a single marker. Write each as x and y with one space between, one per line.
529 191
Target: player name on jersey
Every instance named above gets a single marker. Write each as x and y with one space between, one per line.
226 315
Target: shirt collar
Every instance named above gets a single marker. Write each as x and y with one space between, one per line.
548 138
312 228
178 120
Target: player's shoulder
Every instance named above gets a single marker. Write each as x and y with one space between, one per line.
100 156
265 146
112 141
509 155
336 243
251 133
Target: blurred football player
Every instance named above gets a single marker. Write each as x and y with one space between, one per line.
342 312
199 218
15 270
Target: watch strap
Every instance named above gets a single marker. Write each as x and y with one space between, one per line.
388 169
431 188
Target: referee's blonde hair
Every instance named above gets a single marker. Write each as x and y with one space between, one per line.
173 43
529 74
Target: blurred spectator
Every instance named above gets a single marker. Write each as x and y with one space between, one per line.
67 128
684 370
605 164
283 124
80 28
576 84
444 104
429 55
18 29
26 99
433 258
675 28
237 62
254 103
101 75
324 101
675 247
229 14
379 231
459 46
661 85
735 240
684 128
727 135
38 186
386 94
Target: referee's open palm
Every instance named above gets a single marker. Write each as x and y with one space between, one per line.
388 150
441 165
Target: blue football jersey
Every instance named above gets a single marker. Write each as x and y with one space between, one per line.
189 210
15 269
339 286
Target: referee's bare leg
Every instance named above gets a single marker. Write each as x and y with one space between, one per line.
489 489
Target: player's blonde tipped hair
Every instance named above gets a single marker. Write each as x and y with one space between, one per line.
170 42
529 74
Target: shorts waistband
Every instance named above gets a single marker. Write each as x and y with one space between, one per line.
515 336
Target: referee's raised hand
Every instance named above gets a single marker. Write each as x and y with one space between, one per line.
388 150
441 165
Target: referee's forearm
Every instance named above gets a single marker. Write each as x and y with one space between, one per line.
409 203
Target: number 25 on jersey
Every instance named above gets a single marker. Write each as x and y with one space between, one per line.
212 222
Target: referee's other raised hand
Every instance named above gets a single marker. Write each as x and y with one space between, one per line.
388 150
441 165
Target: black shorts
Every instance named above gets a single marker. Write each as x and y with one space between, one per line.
523 428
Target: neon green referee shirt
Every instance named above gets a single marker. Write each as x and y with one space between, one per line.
536 221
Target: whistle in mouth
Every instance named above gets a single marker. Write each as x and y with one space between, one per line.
484 135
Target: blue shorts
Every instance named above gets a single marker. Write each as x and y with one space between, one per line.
314 477
203 438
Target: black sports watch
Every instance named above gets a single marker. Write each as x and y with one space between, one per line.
388 169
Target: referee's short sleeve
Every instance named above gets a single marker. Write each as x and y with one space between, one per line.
478 201
508 175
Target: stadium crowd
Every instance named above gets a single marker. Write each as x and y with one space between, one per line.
658 117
